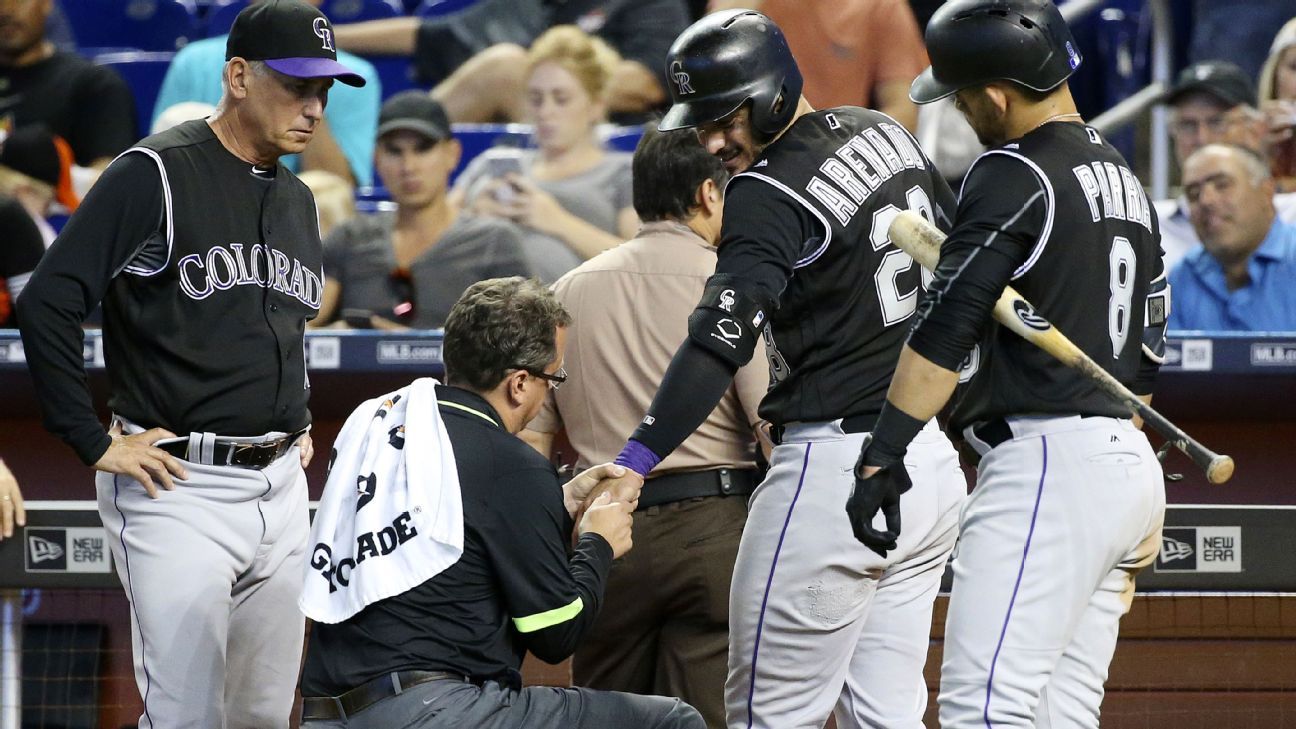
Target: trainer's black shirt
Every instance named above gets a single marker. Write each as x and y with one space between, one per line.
89 106
807 224
1058 215
208 269
513 590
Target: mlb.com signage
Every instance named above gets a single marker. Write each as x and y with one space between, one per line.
1200 549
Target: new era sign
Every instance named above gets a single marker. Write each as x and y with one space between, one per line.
67 549
1200 549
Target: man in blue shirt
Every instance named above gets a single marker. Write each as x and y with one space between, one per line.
343 143
1243 277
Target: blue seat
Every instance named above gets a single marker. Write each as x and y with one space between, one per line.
221 15
149 25
356 11
439 8
395 72
143 72
477 138
623 139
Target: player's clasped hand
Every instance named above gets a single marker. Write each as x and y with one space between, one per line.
611 520
876 487
137 457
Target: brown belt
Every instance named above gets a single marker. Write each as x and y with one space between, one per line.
366 694
242 455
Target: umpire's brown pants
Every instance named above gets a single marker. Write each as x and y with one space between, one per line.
664 625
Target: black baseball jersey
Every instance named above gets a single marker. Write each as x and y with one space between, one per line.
208 269
1059 216
807 222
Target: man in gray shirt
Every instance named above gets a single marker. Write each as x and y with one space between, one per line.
406 268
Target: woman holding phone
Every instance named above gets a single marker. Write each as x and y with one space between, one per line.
569 188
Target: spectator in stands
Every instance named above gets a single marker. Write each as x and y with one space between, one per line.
21 248
1211 102
1243 277
334 199
477 57
570 189
672 640
408 267
851 52
90 106
11 502
1278 101
343 142
184 111
35 169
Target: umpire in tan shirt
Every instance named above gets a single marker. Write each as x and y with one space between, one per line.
664 626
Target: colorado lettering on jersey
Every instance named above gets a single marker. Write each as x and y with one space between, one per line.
1117 189
861 166
225 267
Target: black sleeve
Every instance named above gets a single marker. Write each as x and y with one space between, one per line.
23 244
1152 353
120 213
551 599
1000 218
762 236
106 126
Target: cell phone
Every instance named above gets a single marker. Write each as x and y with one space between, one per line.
504 165
504 193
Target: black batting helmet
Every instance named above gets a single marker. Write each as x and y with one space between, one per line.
725 60
973 42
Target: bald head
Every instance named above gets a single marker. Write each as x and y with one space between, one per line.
1230 199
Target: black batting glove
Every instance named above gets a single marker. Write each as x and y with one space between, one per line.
880 491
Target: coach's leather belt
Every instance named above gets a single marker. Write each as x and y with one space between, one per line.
232 453
369 693
681 486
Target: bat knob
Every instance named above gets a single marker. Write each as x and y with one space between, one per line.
1220 469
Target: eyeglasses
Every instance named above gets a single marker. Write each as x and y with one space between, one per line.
403 286
555 380
1181 127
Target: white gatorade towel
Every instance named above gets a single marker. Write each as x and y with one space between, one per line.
391 516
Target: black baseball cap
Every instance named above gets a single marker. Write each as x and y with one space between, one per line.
415 111
1221 79
292 37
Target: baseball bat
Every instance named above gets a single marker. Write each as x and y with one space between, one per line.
922 241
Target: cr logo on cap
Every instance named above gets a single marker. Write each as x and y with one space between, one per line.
324 33
681 77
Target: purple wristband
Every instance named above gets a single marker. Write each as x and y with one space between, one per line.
636 457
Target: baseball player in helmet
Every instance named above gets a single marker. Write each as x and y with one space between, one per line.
1069 499
818 622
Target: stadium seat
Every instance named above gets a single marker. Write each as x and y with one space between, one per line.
221 15
355 11
143 72
477 138
149 25
438 8
395 72
623 139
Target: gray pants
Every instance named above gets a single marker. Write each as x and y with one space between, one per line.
818 624
457 705
213 570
